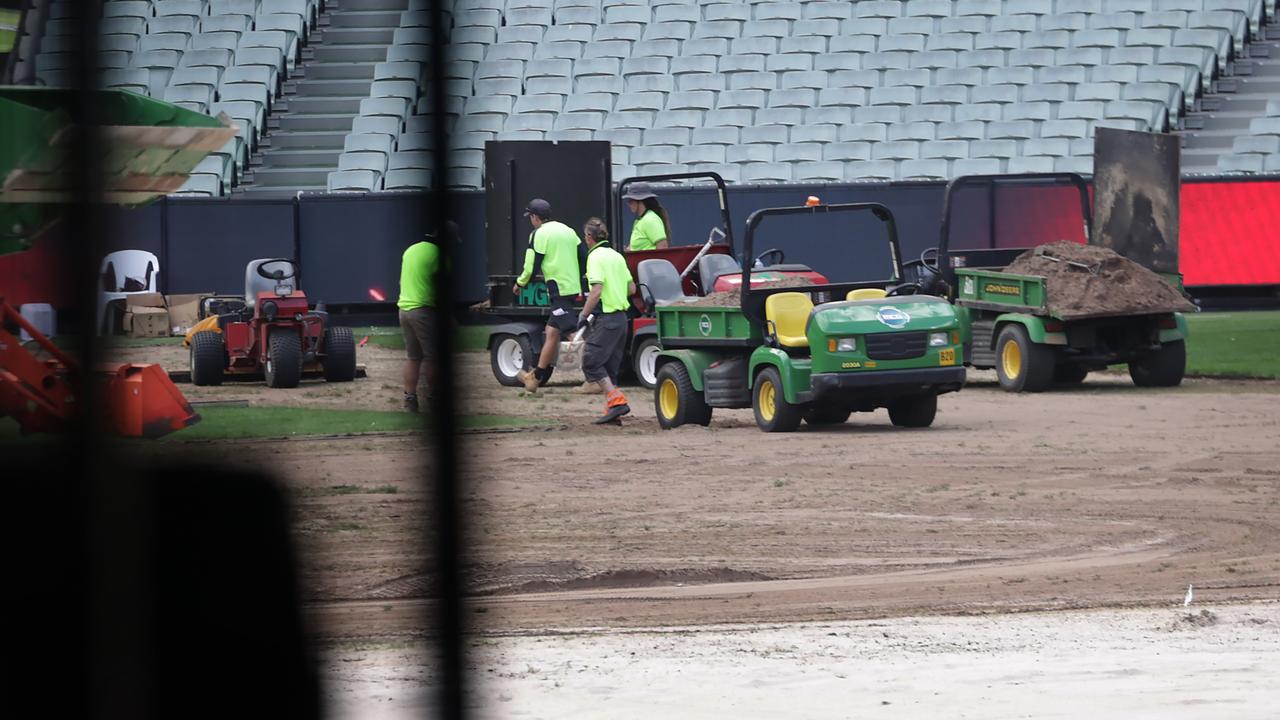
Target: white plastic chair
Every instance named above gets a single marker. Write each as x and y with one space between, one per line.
125 267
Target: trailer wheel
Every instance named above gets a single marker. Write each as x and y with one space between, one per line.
208 358
339 362
644 361
1021 365
284 358
1069 373
1163 368
773 412
915 411
827 415
675 401
508 355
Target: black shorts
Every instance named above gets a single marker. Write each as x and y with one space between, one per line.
606 341
563 317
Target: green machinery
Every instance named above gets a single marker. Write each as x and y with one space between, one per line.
145 149
864 345
1005 321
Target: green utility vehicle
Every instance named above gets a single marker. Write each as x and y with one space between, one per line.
1005 320
809 352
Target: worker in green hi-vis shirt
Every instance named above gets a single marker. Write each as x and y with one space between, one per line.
652 228
419 319
605 314
557 254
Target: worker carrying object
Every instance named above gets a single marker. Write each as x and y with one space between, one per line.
652 228
557 254
604 316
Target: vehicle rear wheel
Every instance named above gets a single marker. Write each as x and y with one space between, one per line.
508 355
773 412
644 361
1163 368
1021 365
284 358
675 401
915 411
827 415
208 358
1069 373
339 355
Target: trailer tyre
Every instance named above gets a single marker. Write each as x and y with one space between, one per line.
208 358
1163 368
773 412
827 416
339 355
675 401
1021 365
644 361
284 358
916 411
508 355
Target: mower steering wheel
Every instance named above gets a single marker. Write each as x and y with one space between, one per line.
276 274
902 289
759 261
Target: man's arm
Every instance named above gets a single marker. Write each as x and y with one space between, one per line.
532 262
592 299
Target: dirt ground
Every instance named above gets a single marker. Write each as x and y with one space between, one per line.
1103 496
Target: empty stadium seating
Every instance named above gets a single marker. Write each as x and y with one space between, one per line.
775 91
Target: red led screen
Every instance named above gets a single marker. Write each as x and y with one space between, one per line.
1230 233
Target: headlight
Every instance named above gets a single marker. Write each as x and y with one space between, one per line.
846 344
270 310
937 339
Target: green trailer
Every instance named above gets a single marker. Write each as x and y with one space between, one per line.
1006 323
861 346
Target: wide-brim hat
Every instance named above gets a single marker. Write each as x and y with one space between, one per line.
638 191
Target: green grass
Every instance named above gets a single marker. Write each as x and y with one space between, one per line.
1234 344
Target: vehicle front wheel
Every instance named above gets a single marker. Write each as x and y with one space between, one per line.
284 358
208 358
827 416
675 401
339 355
773 412
915 411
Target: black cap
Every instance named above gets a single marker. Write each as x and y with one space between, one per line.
448 232
539 207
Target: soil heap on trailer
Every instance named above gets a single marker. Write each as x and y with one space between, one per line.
152 147
796 350
1053 313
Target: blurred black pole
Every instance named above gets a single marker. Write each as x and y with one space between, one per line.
445 510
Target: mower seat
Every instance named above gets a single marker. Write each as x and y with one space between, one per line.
866 294
787 313
711 267
662 280
255 283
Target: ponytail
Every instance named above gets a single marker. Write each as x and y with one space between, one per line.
595 228
653 204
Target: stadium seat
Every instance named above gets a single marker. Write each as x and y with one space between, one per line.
352 180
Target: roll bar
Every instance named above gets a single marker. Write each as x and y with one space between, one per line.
722 194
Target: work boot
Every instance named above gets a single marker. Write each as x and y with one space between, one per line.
587 388
615 406
411 402
529 380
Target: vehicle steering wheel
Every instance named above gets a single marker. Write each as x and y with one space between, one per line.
276 274
759 261
908 288
928 259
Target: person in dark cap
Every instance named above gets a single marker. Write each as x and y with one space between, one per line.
652 228
419 319
557 254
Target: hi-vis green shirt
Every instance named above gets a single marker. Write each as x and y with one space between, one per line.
647 231
557 243
417 276
607 267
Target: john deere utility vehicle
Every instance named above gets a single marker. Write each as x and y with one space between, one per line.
812 352
150 148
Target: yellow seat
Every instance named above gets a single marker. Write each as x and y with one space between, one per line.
865 294
787 313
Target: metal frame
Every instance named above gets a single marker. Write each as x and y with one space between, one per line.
752 301
722 193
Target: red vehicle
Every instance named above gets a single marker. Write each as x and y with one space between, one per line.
273 332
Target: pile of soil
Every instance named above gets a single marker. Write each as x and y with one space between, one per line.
731 298
1112 285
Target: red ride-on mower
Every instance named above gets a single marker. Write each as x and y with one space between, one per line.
275 333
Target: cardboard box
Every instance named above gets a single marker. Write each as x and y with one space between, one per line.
151 300
142 321
184 311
